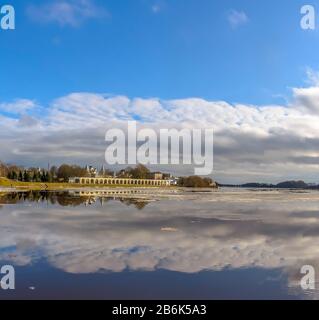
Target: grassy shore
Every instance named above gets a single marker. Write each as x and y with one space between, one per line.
7 183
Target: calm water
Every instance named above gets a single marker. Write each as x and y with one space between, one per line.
228 244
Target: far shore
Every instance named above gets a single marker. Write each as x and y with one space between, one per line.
7 184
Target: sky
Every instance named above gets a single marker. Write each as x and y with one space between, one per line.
73 68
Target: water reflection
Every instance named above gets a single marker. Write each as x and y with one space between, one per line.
270 234
65 198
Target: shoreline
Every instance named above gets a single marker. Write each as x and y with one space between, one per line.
71 187
7 185
60 186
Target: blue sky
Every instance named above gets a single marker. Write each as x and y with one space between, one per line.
167 48
73 68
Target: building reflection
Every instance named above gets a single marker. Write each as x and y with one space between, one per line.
75 198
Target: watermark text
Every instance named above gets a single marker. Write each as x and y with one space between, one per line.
7 278
7 17
162 147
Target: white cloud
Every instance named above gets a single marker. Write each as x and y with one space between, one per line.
312 77
18 106
268 143
307 99
66 12
237 18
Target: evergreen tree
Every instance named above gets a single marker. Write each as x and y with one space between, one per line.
49 177
26 176
14 175
43 176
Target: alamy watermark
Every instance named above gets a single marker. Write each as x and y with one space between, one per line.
7 277
308 19
308 281
162 147
7 17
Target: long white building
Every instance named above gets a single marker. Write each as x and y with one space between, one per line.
120 181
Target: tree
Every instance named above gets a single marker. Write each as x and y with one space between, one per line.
54 172
11 172
36 176
139 172
195 182
66 171
4 170
49 177
14 175
105 172
125 173
26 176
43 176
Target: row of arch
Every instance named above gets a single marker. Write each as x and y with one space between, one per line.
110 192
117 181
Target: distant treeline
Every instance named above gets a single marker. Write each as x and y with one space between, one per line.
52 174
281 185
64 172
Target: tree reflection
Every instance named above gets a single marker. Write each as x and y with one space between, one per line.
66 199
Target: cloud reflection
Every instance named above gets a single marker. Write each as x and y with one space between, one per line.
226 229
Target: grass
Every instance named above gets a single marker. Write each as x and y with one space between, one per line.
7 183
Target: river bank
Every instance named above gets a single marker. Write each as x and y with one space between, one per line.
11 185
